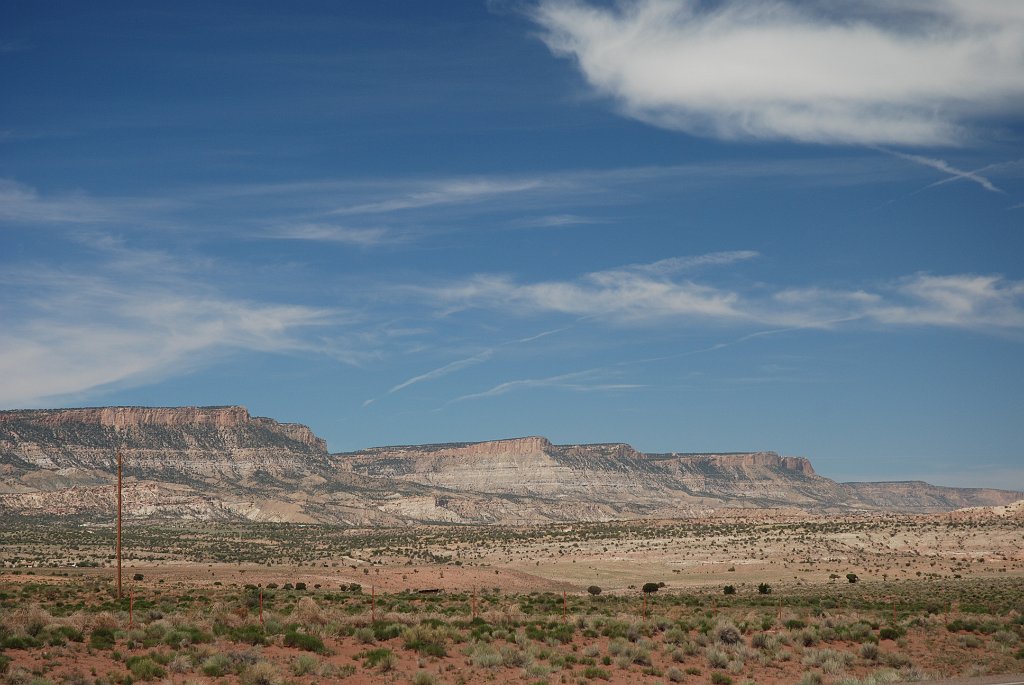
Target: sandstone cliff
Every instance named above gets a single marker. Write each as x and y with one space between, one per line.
616 481
210 463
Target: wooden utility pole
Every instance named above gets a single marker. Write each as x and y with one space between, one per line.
118 553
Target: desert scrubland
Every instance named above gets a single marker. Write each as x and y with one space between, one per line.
753 597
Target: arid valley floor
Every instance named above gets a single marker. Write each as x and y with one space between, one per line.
754 597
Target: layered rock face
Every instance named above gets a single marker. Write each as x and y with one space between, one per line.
211 463
181 444
193 462
616 481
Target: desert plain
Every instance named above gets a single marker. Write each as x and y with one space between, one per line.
746 596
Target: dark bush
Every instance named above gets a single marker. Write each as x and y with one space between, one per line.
729 590
594 590
648 588
309 643
102 638
764 589
889 633
144 668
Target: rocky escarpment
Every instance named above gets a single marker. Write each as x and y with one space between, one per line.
210 463
197 445
192 462
614 480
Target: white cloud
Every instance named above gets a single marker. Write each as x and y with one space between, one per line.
911 72
326 233
946 168
22 203
447 192
633 293
666 267
577 381
618 296
983 302
140 316
652 295
558 220
442 371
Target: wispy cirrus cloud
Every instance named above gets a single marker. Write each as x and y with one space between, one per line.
973 301
947 168
910 72
442 371
580 381
445 192
140 316
654 295
631 293
23 203
558 221
464 363
345 235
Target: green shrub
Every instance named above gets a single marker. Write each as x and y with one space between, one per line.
727 633
764 589
304 641
426 641
591 672
305 664
216 665
261 673
485 656
716 658
869 651
674 675
811 678
719 678
186 635
383 659
101 638
384 630
424 678
250 634
889 633
144 668
25 642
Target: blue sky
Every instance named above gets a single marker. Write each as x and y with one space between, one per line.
684 225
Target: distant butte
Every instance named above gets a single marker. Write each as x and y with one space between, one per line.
220 463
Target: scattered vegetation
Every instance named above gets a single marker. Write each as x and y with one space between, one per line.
312 630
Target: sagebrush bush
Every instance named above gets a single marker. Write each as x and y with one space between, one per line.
216 665
485 656
144 668
727 633
308 612
305 664
716 657
262 673
424 678
28 620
